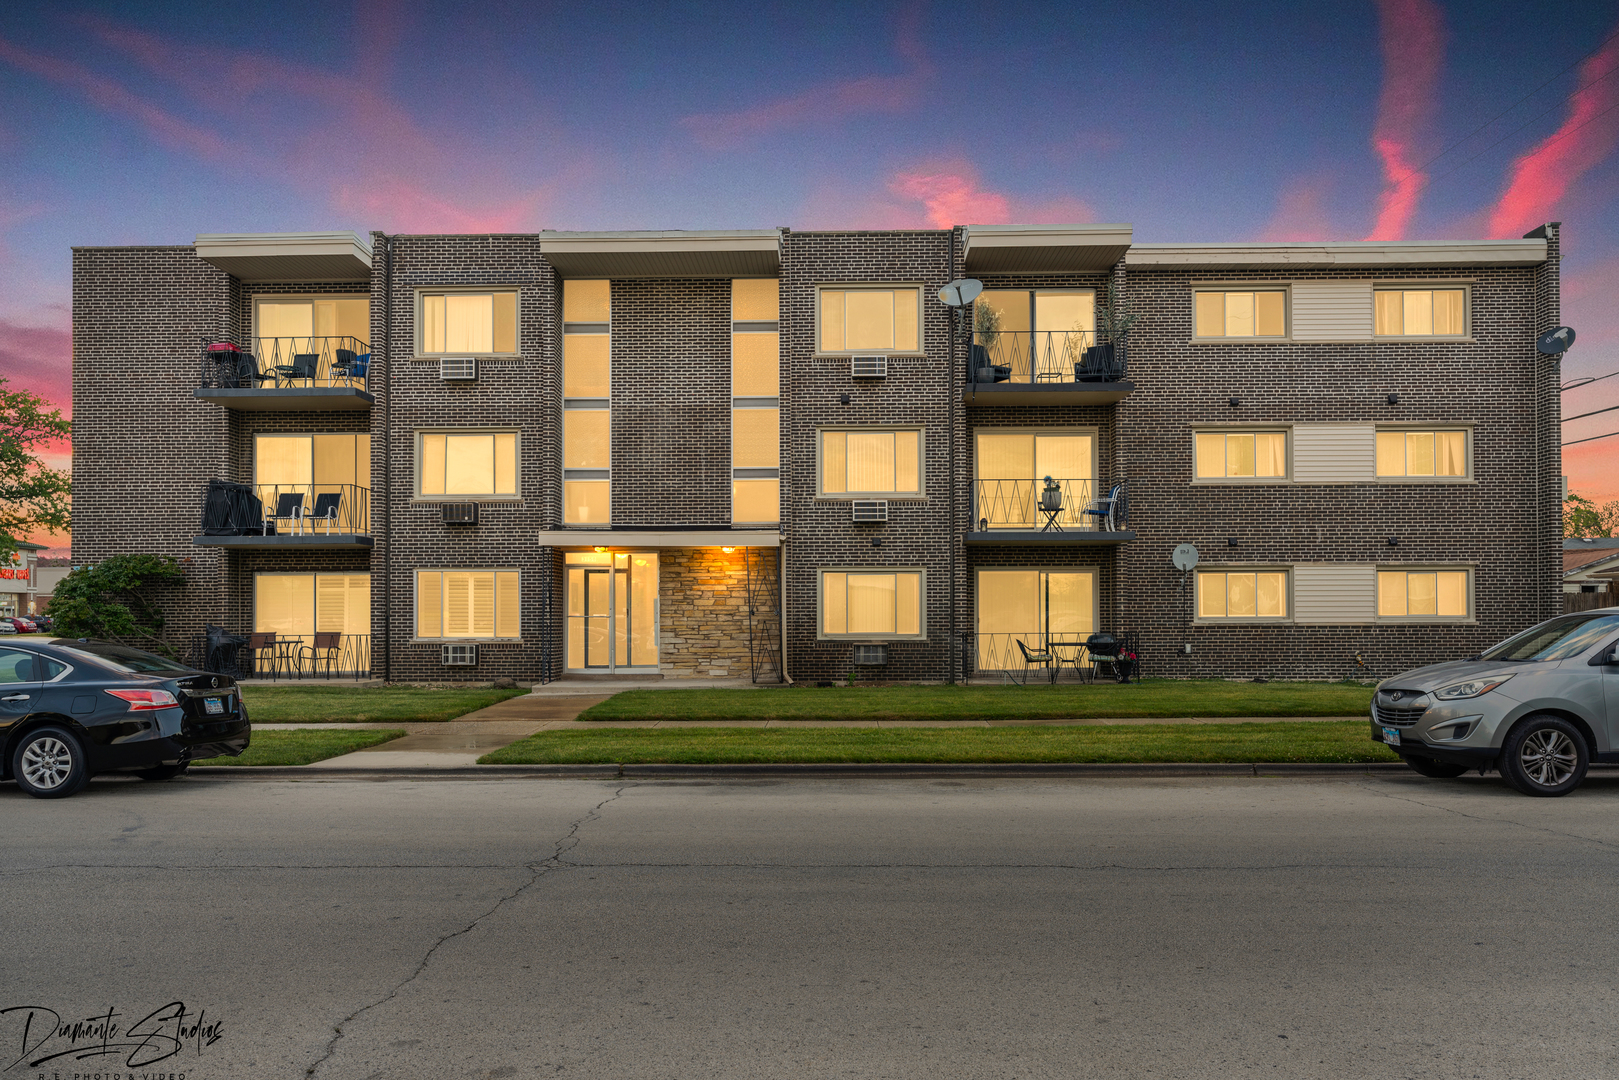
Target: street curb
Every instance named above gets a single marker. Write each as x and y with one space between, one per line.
876 771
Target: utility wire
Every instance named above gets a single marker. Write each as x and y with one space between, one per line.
1593 412
1514 131
1593 438
1586 381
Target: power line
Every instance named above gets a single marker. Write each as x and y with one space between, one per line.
1593 438
1514 131
1593 412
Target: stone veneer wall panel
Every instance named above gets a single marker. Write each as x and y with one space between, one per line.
703 595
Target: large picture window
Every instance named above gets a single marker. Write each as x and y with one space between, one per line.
1245 314
469 323
1440 594
1242 594
1428 454
876 320
1011 468
302 605
871 463
1421 312
467 604
1036 607
871 603
482 463
1241 455
285 317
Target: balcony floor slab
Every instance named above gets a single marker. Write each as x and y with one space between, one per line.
1035 537
288 399
307 541
1051 393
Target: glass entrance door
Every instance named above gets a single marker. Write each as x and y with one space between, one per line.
612 611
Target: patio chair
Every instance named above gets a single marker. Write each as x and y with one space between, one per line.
1040 658
288 505
986 372
261 644
323 651
350 365
1105 509
327 505
303 367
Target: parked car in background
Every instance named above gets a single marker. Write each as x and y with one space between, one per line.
21 623
1539 707
6 627
72 708
45 623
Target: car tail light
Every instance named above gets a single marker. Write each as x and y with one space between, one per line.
146 700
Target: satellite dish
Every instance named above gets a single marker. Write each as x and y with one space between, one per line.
963 291
1185 557
1552 342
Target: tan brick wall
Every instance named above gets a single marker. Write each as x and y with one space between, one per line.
703 597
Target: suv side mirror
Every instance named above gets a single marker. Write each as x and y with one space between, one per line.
1605 657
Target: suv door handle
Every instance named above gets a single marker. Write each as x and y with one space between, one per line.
15 697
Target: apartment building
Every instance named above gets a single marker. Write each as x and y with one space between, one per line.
777 453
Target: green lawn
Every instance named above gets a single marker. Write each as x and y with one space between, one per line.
1314 741
304 746
365 704
1152 698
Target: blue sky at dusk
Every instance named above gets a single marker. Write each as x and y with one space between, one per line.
1402 119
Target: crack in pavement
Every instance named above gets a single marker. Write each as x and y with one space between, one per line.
1604 844
566 843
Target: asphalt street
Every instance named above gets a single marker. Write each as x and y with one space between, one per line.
1322 927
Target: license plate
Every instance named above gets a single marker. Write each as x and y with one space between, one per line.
1391 736
215 706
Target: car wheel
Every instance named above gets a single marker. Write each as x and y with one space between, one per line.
1544 755
1440 770
163 772
49 763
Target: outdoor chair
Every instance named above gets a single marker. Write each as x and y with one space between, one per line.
1041 658
289 505
350 365
303 366
986 372
268 653
323 652
1105 509
327 505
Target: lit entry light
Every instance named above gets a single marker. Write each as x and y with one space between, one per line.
598 550
728 550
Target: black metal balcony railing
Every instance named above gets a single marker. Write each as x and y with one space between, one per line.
1070 505
1044 356
286 510
278 656
276 363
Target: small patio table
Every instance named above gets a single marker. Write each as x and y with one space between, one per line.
1077 647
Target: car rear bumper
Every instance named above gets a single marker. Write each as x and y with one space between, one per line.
168 740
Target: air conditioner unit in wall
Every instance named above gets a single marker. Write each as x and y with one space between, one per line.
866 510
460 655
869 367
458 368
460 513
870 655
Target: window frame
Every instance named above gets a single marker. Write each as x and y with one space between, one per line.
1466 288
921 494
256 574
872 286
820 603
415 601
1285 430
1470 569
1199 619
1465 428
281 298
1283 287
517 465
422 291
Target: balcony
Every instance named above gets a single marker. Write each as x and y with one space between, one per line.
1049 511
285 516
1044 367
282 656
316 374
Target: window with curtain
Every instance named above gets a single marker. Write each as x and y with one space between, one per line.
467 604
1421 312
1406 593
301 605
1011 467
1437 454
1241 455
1242 594
871 603
1256 314
467 462
476 323
290 317
1035 607
871 463
875 320
311 465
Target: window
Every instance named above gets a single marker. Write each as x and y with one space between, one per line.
587 308
1036 607
860 320
1241 314
1438 454
1421 312
466 463
755 405
1242 594
281 317
1241 455
466 604
314 465
1011 468
871 603
1040 332
871 463
477 323
302 605
1413 593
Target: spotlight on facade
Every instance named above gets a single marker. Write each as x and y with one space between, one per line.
728 550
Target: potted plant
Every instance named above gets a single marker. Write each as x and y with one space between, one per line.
1104 361
1126 665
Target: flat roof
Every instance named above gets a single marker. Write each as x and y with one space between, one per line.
302 256
1338 254
673 253
1043 249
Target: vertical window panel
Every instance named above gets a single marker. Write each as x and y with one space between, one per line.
429 604
868 319
1391 592
755 300
1210 455
469 464
835 603
1270 314
1419 312
907 463
506 463
586 438
1450 453
1270 453
1240 595
1390 317
481 587
908 603
1452 593
1210 314
587 301
585 366
1449 311
871 461
871 603
586 502
1391 453
1422 593
755 365
1239 455
1271 590
1419 453
755 438
1211 596
906 336
834 462
507 622
832 315
1239 314
284 604
756 502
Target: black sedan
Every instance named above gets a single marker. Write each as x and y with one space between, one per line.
70 709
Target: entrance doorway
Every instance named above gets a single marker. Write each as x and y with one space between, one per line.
612 611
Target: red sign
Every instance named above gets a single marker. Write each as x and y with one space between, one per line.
18 573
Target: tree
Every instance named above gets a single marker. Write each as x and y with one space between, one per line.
33 496
112 600
1582 517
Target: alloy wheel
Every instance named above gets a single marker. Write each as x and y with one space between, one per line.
1549 757
47 763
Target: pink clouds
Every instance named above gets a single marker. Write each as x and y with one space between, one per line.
1413 52
1541 177
40 359
935 195
827 103
952 197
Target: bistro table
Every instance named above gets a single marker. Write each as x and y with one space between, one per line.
1077 647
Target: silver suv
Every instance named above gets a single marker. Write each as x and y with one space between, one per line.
1540 707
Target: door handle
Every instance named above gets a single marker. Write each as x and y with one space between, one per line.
15 697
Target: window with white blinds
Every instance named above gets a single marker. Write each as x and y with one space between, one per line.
298 605
467 604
